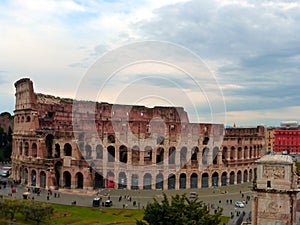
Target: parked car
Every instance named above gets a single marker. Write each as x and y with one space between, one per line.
108 203
193 195
239 204
5 171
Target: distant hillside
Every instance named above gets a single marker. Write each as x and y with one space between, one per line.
6 130
6 121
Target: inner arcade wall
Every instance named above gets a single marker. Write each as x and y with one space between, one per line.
63 143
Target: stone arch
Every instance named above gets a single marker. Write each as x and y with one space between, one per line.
68 149
231 177
88 151
245 176
239 156
215 155
224 179
250 175
239 141
21 148
160 155
239 177
250 153
204 180
67 179
183 157
215 179
34 149
79 180
26 148
42 179
148 154
224 153
205 152
172 153
171 181
99 181
57 169
194 180
182 181
147 181
111 153
159 182
135 154
57 151
122 183
25 175
111 139
49 145
33 178
232 151
134 182
123 154
245 152
194 155
99 152
28 119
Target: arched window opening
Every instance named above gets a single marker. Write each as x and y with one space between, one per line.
68 149
172 153
123 153
160 155
49 145
111 153
99 152
34 150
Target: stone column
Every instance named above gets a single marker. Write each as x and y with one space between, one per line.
188 180
177 176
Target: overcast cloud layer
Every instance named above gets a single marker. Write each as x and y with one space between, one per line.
251 46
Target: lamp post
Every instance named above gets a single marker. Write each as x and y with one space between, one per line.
100 211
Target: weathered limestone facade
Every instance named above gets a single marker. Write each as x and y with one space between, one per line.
275 191
63 143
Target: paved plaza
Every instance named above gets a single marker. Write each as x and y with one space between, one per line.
223 197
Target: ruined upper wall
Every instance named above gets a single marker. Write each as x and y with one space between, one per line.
25 96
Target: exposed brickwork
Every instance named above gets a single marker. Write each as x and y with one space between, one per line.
63 143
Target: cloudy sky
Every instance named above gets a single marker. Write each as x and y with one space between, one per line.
249 51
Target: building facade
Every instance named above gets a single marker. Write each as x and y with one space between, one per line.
287 138
64 143
270 139
275 191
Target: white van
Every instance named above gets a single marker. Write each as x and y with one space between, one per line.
5 171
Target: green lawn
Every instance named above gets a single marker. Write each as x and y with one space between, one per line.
77 215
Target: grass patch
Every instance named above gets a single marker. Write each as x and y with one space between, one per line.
78 215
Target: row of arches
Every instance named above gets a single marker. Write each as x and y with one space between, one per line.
146 181
185 181
22 119
240 153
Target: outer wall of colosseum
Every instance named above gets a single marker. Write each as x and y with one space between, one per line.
120 146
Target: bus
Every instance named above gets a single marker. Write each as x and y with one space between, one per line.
110 182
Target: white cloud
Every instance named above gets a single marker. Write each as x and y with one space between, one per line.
251 45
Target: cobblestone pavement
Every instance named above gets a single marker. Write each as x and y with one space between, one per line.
214 197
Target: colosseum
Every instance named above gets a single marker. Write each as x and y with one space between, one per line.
62 143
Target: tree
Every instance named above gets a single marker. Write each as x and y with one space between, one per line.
180 210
